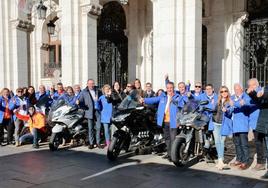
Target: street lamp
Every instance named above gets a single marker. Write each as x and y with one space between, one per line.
123 2
51 27
41 10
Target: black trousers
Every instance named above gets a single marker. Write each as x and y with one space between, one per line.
241 147
9 126
259 139
169 135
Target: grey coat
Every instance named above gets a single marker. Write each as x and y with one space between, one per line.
87 103
262 125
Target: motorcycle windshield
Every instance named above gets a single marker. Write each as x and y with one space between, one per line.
57 104
128 103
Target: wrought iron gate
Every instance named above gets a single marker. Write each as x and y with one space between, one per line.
256 50
112 45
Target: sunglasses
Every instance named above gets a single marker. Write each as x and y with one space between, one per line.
129 86
224 91
20 91
198 86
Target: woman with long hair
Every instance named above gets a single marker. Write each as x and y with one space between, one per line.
222 123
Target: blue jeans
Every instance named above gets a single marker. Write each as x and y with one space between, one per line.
241 147
30 137
91 124
107 131
219 140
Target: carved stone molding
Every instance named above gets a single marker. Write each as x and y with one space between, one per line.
91 9
23 25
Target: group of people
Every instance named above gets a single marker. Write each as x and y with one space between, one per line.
235 115
229 115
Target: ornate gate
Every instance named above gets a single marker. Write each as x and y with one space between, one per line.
256 50
256 41
112 45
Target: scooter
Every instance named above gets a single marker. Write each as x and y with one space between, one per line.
68 124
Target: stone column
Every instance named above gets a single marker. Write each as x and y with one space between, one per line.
90 13
67 37
20 53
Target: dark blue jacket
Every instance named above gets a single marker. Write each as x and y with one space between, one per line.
254 112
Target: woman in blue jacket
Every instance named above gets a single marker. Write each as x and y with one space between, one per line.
221 123
106 111
241 127
6 121
168 106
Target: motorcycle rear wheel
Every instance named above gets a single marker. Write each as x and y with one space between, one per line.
55 141
114 148
178 156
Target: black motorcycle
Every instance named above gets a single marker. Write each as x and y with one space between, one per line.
137 130
193 139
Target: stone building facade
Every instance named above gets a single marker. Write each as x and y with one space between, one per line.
105 40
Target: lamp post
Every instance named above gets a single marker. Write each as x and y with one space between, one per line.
41 10
51 27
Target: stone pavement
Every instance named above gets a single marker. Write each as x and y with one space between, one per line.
79 167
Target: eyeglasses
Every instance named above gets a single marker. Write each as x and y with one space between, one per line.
198 86
224 91
129 86
20 91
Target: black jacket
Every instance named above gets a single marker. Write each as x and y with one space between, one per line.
262 125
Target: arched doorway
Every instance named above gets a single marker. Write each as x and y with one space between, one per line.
112 45
256 41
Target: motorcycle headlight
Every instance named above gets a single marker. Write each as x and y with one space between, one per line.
120 117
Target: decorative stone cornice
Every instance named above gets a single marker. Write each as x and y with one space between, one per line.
91 9
23 25
240 17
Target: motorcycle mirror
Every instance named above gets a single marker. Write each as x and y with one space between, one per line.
203 102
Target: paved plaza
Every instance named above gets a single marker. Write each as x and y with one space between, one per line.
79 167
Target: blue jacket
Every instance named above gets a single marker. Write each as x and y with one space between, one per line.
105 108
56 95
71 100
11 107
162 102
210 105
240 113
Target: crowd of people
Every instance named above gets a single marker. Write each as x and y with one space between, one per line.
233 115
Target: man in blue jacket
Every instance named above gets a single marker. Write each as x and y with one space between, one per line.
240 128
168 106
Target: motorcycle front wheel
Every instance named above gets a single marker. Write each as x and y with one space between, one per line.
178 155
55 141
114 148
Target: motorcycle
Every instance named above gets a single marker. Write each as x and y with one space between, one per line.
68 124
193 139
137 130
